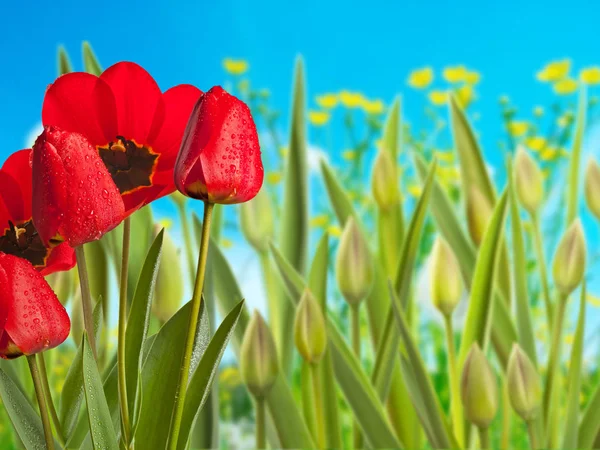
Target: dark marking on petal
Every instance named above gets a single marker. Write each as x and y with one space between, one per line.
23 240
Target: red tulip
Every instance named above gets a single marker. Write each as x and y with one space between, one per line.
18 235
74 196
135 128
219 160
34 318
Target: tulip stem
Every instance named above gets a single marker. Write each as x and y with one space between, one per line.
192 326
484 438
189 244
48 394
318 401
453 375
124 405
261 440
355 326
86 298
531 432
541 260
41 398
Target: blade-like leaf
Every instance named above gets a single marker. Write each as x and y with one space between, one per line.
139 317
590 422
100 421
141 228
64 64
202 379
90 62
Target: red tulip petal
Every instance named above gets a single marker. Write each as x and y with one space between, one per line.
82 103
137 96
36 320
60 259
15 185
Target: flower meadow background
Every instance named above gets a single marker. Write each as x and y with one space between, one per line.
515 68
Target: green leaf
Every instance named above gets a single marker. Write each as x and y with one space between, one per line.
25 420
574 177
285 417
590 422
419 385
201 381
523 310
90 62
64 63
160 375
139 318
100 421
391 130
142 230
574 378
351 378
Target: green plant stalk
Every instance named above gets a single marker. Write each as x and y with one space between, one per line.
532 434
484 438
261 435
541 261
318 401
48 394
180 393
506 416
86 298
575 160
453 375
389 224
308 402
39 392
189 243
355 327
122 380
274 301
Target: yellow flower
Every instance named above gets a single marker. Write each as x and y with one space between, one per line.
415 190
274 177
230 376
593 300
455 74
283 151
438 98
334 231
569 338
590 75
535 143
555 71
319 221
472 77
565 87
420 78
465 95
165 223
327 101
444 156
373 106
517 128
235 66
538 111
351 99
318 118
552 153
349 155
226 243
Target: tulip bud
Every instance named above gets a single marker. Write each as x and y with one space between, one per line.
257 221
479 390
592 187
169 289
569 260
479 212
310 332
354 267
384 181
529 181
258 357
446 279
219 160
524 387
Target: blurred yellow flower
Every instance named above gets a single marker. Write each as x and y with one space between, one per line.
538 111
349 155
448 175
565 120
465 95
415 190
517 128
420 78
235 66
318 118
555 71
552 153
334 231
319 221
274 177
535 143
569 338
165 223
455 74
565 87
444 156
438 98
373 106
590 75
230 376
327 101
283 150
351 99
472 77
593 300
226 243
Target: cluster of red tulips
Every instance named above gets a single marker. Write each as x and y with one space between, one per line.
111 145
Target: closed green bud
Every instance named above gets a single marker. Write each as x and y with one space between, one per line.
310 332
446 279
479 213
257 222
524 386
569 260
479 390
258 357
592 187
384 181
169 289
529 181
354 267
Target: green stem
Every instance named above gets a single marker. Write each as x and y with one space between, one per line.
318 402
532 437
39 392
484 438
122 328
191 334
48 394
189 244
86 299
453 375
261 435
506 411
355 326
541 260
